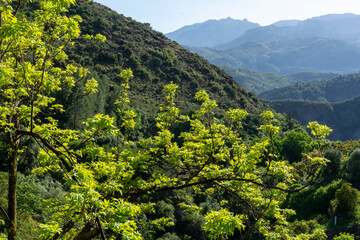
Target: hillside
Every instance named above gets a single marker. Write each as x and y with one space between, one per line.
155 61
259 82
338 89
287 56
211 32
342 117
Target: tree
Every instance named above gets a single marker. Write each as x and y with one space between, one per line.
295 144
319 132
344 236
353 167
33 35
332 169
115 186
111 187
346 199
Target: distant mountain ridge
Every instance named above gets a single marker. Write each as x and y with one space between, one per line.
328 43
286 23
211 32
288 56
334 26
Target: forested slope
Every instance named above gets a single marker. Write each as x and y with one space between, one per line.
155 61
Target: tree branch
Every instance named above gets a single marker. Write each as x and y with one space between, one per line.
48 145
5 213
67 227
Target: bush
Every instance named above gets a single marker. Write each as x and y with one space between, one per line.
298 227
170 236
294 144
353 168
344 236
346 199
313 201
331 171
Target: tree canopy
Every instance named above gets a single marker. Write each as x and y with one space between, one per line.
112 189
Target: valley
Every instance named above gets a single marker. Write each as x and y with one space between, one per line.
297 66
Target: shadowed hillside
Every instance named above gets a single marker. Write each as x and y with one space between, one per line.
338 89
259 82
342 117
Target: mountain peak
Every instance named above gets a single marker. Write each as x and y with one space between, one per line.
286 23
335 17
211 32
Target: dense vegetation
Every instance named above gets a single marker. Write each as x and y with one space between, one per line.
215 173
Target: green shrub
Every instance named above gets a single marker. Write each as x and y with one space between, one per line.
344 236
346 199
169 236
353 168
294 144
331 172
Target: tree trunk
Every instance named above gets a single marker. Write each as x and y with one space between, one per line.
12 194
88 232
14 144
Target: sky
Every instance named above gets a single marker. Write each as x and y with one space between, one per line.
169 15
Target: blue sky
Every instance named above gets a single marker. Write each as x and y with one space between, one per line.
168 15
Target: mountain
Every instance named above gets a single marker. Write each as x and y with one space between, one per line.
329 43
155 61
333 26
342 117
211 32
259 82
286 23
338 89
287 56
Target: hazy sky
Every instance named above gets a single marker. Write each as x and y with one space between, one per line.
169 15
